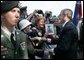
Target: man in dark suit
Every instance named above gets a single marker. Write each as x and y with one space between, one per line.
67 41
13 41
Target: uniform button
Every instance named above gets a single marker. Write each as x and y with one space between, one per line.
3 56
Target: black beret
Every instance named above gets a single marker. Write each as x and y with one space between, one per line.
23 8
8 5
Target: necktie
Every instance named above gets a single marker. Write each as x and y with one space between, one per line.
12 40
14 44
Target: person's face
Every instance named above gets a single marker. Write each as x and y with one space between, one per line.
61 18
27 28
41 23
12 16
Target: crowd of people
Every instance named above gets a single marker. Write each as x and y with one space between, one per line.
24 36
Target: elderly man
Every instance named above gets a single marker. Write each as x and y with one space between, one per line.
67 41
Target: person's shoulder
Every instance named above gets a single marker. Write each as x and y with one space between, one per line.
70 26
3 37
2 32
20 32
21 35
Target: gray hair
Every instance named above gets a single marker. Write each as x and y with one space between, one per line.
68 12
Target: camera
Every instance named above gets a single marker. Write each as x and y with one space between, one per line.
38 13
32 32
48 14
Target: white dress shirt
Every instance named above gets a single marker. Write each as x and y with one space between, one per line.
65 23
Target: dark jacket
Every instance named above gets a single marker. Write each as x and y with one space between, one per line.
67 42
19 53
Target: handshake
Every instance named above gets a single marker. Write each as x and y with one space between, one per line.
38 40
46 38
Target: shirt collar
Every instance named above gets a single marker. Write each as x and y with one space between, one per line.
65 23
8 32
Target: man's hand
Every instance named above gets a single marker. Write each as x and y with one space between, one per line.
36 38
